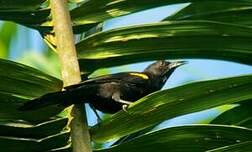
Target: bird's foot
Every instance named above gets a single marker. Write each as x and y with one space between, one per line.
125 107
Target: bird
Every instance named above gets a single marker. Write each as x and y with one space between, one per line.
110 93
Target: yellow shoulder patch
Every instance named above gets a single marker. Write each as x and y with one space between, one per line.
144 76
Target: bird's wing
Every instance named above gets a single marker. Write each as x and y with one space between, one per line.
128 77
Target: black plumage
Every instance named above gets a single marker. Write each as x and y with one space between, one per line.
110 92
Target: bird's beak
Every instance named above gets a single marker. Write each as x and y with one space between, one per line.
177 64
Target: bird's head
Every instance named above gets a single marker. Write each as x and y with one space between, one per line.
162 69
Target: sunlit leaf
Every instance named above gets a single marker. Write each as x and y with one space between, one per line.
95 11
38 19
238 116
166 40
18 83
24 130
192 138
22 80
230 12
7 32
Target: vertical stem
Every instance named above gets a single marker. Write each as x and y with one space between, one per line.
70 73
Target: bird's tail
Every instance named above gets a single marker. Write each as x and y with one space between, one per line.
55 98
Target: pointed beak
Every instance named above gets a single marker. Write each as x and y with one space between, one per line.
177 64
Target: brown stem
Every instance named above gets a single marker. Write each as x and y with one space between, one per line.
80 137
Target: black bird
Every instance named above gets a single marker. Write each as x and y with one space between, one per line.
110 93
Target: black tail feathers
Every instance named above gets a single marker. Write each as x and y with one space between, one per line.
55 98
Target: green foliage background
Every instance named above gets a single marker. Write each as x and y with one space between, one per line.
204 30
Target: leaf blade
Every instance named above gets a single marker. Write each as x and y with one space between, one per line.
189 138
166 40
166 104
20 83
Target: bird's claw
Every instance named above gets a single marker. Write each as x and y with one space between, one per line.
125 107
